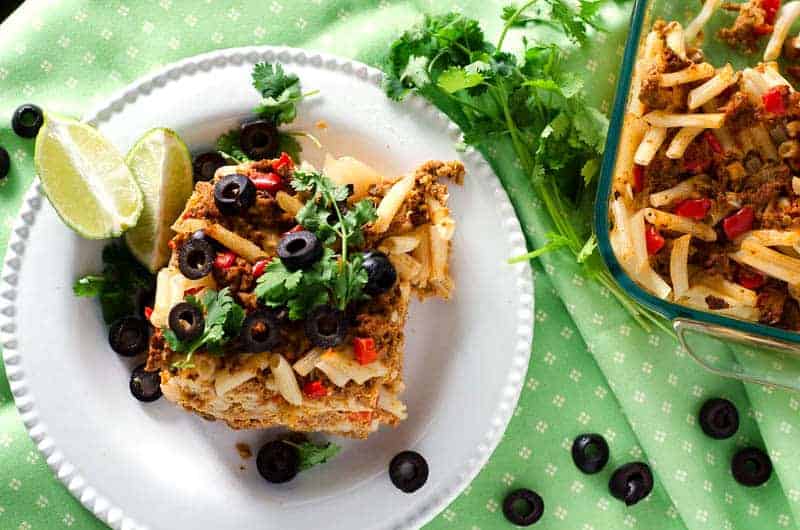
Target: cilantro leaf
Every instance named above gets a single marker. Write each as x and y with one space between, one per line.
119 283
223 322
229 146
280 93
454 79
288 144
300 291
312 454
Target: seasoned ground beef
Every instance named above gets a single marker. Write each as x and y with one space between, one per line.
770 302
748 28
740 113
714 302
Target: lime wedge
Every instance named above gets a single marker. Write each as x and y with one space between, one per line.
162 166
86 178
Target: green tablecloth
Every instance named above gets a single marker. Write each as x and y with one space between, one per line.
592 369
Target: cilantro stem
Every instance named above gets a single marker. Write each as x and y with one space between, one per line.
310 93
510 22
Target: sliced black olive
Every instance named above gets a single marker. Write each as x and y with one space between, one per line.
590 453
206 164
523 507
408 471
719 418
278 462
129 336
326 326
196 258
381 274
145 386
259 139
751 467
186 321
299 250
5 163
631 482
260 332
233 194
27 120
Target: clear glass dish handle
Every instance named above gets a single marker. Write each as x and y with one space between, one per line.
740 355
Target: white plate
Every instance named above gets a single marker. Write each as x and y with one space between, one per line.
155 466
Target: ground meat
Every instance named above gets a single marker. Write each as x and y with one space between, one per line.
740 112
656 97
238 277
660 260
782 218
772 180
748 28
662 173
790 319
713 258
714 302
158 353
770 302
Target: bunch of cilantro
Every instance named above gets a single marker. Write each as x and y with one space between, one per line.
223 322
526 99
338 278
280 93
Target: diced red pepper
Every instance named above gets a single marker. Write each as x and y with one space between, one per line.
285 161
693 208
192 290
259 267
738 223
297 228
750 279
771 8
775 100
147 312
655 241
271 182
364 350
638 178
224 260
713 143
315 389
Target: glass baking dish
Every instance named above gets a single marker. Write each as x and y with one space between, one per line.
751 352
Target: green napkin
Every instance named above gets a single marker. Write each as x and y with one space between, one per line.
592 369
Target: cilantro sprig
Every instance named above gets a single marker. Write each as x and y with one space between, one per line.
312 454
525 102
280 93
336 278
223 321
118 284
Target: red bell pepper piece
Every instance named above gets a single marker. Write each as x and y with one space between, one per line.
364 350
285 161
259 267
693 208
638 178
713 142
224 260
147 312
739 223
655 241
315 389
750 279
771 8
297 228
775 100
192 290
271 182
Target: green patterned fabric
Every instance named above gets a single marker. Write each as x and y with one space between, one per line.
592 369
